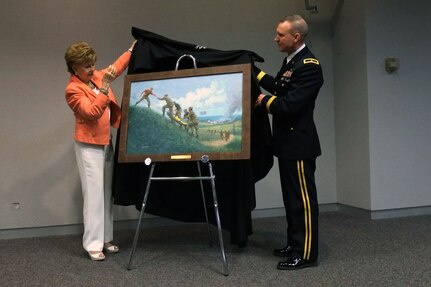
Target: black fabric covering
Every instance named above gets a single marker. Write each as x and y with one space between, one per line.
182 200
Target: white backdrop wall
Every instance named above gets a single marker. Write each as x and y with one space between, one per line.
351 106
382 120
38 170
399 103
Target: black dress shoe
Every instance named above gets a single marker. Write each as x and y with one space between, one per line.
283 252
294 263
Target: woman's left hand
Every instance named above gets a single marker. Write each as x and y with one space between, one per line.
110 75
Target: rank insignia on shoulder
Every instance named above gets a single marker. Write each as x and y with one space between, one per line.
311 61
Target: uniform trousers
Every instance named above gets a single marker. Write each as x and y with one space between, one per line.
95 165
300 201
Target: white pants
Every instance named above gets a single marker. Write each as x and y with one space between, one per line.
95 165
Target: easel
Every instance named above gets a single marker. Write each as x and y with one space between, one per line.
211 177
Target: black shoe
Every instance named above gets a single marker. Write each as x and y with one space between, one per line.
283 252
294 263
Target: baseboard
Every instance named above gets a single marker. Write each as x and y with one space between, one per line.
401 212
15 233
154 221
72 229
275 212
385 214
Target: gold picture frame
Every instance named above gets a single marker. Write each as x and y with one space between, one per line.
182 115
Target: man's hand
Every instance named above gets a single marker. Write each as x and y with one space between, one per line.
259 100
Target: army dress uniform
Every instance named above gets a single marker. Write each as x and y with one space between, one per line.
296 145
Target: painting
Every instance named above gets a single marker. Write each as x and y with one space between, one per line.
183 115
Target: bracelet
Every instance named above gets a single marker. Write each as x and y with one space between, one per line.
104 91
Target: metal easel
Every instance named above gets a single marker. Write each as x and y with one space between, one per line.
211 177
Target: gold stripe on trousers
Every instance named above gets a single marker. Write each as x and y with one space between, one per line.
307 210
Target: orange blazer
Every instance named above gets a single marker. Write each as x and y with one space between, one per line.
93 118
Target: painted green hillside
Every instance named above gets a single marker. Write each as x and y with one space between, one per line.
149 132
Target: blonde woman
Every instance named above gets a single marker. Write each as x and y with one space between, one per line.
93 102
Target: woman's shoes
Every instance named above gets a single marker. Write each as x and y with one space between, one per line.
96 255
110 248
99 256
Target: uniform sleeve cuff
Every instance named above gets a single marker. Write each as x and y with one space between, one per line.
260 75
267 101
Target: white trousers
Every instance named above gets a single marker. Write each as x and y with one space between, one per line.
95 165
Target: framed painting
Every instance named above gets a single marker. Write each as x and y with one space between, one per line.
183 115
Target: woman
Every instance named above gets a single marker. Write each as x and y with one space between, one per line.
89 95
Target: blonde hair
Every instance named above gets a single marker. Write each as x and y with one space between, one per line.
298 25
78 54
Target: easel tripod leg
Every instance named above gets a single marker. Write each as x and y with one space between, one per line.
205 206
141 215
220 235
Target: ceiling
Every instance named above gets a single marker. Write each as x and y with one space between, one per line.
316 10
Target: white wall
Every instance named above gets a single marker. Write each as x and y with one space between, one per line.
399 103
382 120
351 106
373 126
38 168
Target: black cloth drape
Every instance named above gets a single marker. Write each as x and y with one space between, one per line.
182 200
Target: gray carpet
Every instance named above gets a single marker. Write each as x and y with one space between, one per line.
353 252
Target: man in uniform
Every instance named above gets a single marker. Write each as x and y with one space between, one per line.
193 122
296 143
169 105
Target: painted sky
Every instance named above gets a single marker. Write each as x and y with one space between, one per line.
219 95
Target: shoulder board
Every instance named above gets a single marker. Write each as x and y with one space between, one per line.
311 61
